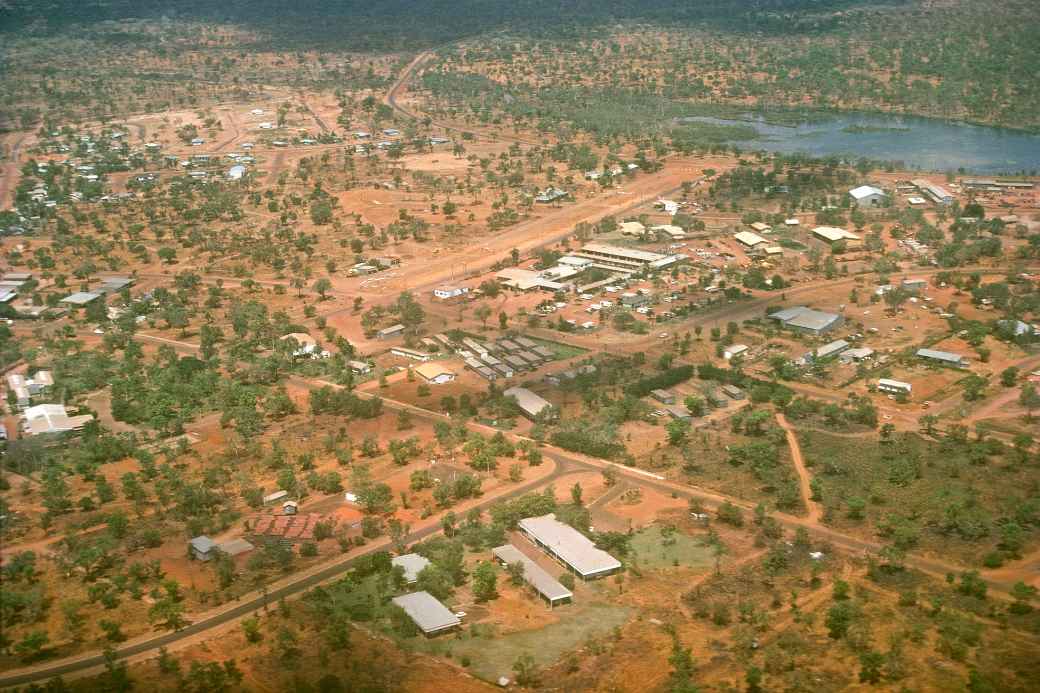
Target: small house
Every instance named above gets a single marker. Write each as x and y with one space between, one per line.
201 548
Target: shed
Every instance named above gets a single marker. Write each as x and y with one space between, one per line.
530 404
388 332
436 373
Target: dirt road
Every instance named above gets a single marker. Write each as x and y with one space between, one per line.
804 480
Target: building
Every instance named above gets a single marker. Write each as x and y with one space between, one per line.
389 332
868 196
669 232
537 577
81 298
52 418
938 194
550 195
434 372
526 280
632 228
235 547
947 358
430 615
236 172
857 354
412 564
733 392
663 396
275 497
749 239
286 528
679 412
307 346
734 350
360 367
202 548
530 404
634 299
894 386
24 388
448 293
808 320
569 546
832 235
413 354
914 285
631 260
830 350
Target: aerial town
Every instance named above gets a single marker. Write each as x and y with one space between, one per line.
446 358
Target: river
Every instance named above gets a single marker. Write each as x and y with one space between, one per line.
917 142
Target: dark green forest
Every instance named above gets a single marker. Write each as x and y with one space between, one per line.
410 24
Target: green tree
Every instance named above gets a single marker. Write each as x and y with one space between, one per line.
485 582
322 286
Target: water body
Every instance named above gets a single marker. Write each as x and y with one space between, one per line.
917 142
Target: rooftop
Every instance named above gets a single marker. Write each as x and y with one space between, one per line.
412 563
626 253
832 233
428 613
536 576
529 402
865 191
940 355
748 238
573 547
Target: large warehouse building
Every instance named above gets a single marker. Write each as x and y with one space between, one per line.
807 320
569 546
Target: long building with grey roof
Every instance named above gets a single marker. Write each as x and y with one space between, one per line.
569 546
430 615
534 575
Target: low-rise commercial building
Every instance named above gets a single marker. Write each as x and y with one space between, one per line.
832 235
867 196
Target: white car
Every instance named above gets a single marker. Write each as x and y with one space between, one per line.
663 335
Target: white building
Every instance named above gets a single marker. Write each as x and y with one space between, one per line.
748 239
868 196
569 546
446 293
734 350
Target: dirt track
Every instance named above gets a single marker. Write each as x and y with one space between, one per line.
798 461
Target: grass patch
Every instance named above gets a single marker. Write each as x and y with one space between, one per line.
492 654
560 351
663 547
790 244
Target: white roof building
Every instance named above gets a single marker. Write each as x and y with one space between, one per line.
530 404
632 228
832 234
53 418
429 614
570 546
412 563
867 196
748 239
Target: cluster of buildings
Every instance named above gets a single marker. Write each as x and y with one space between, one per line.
564 544
40 419
503 358
620 261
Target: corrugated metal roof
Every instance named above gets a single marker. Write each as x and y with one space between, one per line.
428 613
534 575
570 545
412 563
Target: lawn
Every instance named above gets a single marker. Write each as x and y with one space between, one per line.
661 547
562 351
492 654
